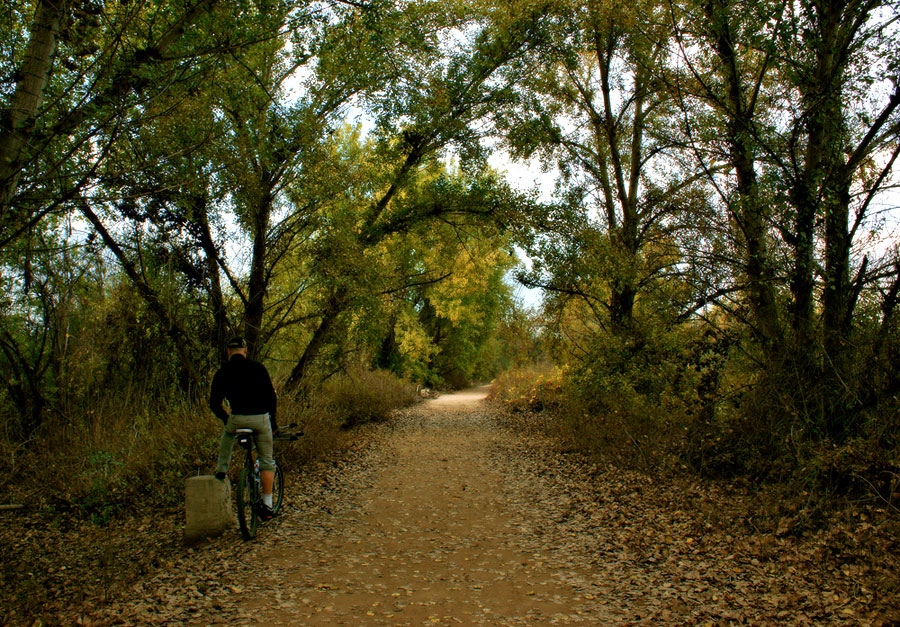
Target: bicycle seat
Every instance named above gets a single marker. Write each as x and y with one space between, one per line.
244 437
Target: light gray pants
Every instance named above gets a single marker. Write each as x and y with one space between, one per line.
263 428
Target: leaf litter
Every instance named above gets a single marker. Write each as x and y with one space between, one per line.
454 513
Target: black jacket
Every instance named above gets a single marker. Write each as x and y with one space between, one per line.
248 388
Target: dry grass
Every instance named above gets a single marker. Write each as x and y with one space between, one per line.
116 457
126 454
363 396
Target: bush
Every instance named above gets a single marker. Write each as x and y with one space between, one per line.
327 415
687 401
636 398
364 396
533 388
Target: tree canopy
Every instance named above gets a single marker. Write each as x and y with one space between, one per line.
314 176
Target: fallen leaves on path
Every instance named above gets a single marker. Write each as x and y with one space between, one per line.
678 551
459 514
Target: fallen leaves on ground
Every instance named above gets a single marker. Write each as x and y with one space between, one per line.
634 548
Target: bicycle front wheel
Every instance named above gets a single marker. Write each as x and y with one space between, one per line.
277 490
247 497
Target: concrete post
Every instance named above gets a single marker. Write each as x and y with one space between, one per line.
207 506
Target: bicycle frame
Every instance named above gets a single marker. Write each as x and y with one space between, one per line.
249 486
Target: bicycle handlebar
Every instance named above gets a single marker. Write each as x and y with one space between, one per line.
282 433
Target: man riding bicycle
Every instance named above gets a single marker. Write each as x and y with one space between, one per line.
245 385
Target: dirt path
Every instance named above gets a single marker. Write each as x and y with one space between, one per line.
438 537
446 518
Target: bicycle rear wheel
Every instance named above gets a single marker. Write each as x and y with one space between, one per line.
247 498
277 490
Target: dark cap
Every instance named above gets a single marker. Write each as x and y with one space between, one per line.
237 342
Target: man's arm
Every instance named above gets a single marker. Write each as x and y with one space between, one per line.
216 396
273 402
273 410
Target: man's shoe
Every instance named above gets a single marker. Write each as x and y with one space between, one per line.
221 476
265 512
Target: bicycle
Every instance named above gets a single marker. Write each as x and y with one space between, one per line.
249 485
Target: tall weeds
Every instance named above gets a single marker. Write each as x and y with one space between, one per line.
133 449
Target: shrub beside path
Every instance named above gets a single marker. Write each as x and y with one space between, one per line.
447 517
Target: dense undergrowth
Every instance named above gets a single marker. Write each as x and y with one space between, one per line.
133 451
662 422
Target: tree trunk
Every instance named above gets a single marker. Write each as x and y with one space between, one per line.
621 305
750 214
178 336
836 293
826 174
626 178
214 287
19 119
388 352
258 280
802 280
337 302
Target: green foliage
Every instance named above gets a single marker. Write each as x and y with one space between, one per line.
217 166
314 175
714 296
